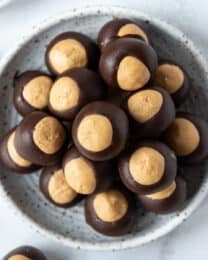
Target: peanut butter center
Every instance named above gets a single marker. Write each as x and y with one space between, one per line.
64 94
132 74
110 206
147 166
19 257
68 54
49 135
163 194
95 133
145 104
80 176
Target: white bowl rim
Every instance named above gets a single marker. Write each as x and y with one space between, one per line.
136 241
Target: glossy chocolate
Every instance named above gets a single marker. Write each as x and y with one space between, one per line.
45 176
201 152
120 48
156 125
104 173
25 145
167 205
119 123
90 47
91 88
169 172
27 251
7 160
21 105
110 30
116 228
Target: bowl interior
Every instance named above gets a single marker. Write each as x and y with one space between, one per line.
68 224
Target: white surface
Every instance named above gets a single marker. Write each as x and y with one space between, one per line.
189 240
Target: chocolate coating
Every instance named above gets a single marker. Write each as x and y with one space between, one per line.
25 145
7 160
103 170
116 228
91 49
27 251
109 31
120 48
21 105
119 123
167 205
45 176
201 152
183 92
156 125
169 171
91 88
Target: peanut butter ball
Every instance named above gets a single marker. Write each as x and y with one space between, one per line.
167 200
151 112
74 89
111 212
187 136
25 253
117 28
128 64
40 138
174 79
55 188
31 92
147 167
100 131
11 157
71 50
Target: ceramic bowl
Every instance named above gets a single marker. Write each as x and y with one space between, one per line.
22 193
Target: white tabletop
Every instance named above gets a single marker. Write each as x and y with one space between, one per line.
188 241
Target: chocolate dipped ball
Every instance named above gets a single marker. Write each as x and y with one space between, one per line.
71 50
166 200
40 138
85 176
151 111
148 167
100 131
110 212
187 136
31 92
174 79
74 89
55 188
25 253
11 158
120 28
127 63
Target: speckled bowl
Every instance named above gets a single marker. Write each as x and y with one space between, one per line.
21 192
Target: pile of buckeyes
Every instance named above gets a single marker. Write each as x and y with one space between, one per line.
104 127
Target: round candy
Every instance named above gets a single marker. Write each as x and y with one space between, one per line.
166 200
110 212
151 110
25 253
31 92
54 186
187 136
100 131
11 158
148 167
127 63
120 28
174 79
74 89
40 138
71 50
86 176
